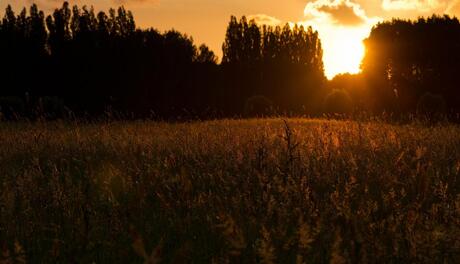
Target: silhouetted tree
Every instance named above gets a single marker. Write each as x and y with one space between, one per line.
283 64
406 59
205 55
355 86
87 62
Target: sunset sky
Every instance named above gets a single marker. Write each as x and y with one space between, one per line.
342 24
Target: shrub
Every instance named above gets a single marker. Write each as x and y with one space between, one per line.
11 107
338 102
431 107
257 106
51 107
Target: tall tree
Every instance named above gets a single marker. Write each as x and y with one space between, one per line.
406 59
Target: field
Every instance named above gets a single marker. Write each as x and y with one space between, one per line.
230 191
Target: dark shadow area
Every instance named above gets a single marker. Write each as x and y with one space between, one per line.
76 62
406 60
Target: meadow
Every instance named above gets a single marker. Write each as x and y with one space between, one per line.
229 191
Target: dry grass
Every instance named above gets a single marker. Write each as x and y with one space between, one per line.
230 191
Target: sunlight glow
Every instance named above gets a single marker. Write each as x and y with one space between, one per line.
343 47
342 26
343 50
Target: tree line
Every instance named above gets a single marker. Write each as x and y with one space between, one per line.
409 66
283 65
90 62
75 60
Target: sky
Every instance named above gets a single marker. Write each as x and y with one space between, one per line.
342 24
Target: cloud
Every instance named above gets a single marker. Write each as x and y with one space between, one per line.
420 5
342 26
265 19
342 12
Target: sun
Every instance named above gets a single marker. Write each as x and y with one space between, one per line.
343 50
343 47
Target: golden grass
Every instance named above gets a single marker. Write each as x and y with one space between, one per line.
224 191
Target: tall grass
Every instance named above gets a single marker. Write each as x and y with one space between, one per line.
299 191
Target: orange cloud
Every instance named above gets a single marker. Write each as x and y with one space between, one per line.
342 26
265 19
420 5
342 12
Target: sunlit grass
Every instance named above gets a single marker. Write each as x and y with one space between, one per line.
230 191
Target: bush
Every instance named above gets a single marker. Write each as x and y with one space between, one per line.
51 107
431 107
258 106
11 107
338 102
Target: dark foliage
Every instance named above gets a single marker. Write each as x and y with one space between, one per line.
431 107
338 102
407 59
77 62
11 107
284 64
90 63
258 106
